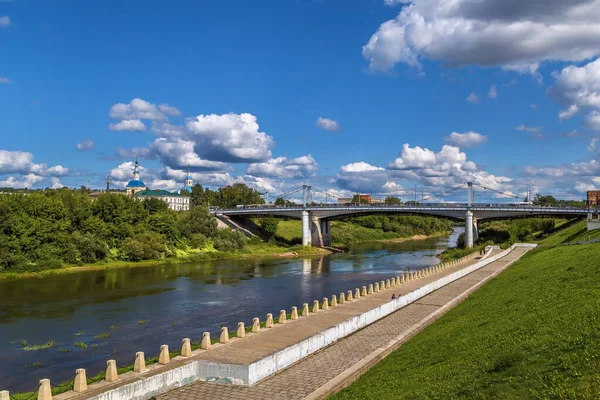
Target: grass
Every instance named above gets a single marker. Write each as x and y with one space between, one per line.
290 229
142 321
573 233
103 335
81 345
532 332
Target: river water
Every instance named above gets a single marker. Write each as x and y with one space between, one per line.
143 308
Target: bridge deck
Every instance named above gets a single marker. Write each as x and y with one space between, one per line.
337 365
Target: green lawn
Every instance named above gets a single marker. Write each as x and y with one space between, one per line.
289 230
573 233
532 332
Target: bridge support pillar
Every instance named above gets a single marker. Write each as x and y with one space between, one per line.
475 230
320 232
469 230
306 222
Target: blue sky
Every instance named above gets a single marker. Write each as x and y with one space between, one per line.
243 84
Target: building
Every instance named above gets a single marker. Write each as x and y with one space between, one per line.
174 200
188 182
593 198
135 185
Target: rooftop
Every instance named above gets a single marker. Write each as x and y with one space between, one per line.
136 183
157 193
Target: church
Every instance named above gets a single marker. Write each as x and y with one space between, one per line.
137 189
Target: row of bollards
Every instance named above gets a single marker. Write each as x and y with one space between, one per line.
80 383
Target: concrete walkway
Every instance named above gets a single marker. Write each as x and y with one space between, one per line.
338 365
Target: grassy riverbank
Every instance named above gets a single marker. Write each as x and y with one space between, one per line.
532 332
263 250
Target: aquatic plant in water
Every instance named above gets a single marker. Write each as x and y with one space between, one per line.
35 347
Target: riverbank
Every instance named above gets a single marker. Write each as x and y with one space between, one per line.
258 251
263 251
532 332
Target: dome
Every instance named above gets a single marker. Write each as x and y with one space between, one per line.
187 189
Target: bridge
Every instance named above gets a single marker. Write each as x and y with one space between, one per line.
316 219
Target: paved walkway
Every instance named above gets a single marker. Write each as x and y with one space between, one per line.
339 364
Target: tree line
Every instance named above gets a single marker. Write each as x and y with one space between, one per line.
45 229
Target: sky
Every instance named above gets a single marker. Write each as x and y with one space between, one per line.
376 96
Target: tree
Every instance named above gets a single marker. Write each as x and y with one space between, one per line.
269 226
390 200
280 202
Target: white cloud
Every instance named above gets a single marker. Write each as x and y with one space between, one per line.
468 139
328 124
284 168
473 98
5 21
56 184
137 109
85 145
169 110
578 89
26 181
178 153
493 93
229 137
569 112
128 125
582 187
360 166
592 120
21 162
5 80
513 34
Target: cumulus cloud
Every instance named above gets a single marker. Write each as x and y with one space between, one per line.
136 109
360 166
229 137
5 80
128 125
284 168
85 145
578 89
5 21
493 92
465 140
25 181
513 34
21 162
328 124
473 98
439 172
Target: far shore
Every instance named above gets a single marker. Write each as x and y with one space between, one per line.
305 252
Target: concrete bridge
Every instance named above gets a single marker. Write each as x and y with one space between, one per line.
316 219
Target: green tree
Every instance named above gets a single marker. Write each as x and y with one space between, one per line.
392 200
269 227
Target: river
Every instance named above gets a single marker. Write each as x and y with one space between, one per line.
143 308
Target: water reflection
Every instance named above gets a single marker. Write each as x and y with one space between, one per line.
177 300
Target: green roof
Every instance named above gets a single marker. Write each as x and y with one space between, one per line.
157 193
